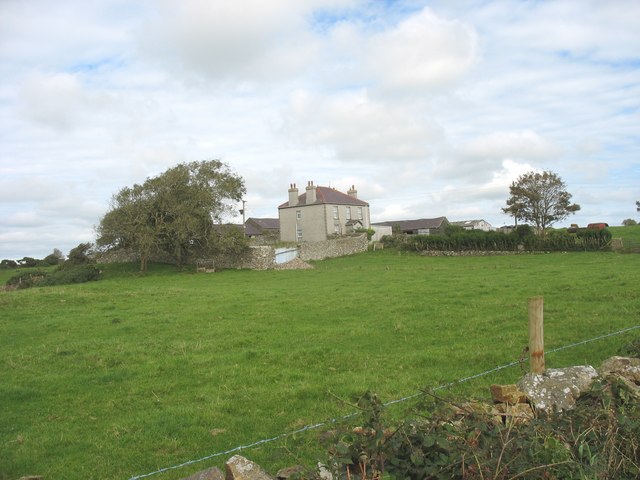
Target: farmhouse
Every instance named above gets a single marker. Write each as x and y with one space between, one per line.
421 226
321 212
474 225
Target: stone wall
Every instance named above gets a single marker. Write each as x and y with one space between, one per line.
335 247
124 255
262 257
256 258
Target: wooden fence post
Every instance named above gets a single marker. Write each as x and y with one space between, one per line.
536 334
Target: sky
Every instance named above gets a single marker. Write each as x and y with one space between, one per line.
430 108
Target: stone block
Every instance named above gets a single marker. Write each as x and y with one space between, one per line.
507 394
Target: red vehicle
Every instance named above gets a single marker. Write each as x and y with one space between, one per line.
597 226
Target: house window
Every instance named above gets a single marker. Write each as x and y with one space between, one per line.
298 214
299 233
336 228
359 213
335 213
348 213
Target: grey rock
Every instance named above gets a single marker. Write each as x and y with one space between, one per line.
624 369
557 389
241 468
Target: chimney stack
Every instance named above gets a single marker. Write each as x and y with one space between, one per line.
353 192
293 195
311 192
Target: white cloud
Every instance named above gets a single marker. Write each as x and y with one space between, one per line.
423 52
355 127
521 145
241 40
60 102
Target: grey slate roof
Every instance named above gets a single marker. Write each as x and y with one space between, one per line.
415 225
326 195
257 226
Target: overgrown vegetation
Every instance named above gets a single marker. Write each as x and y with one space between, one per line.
599 438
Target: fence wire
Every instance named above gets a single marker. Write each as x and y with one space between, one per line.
355 414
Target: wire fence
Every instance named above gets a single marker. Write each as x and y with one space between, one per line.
392 402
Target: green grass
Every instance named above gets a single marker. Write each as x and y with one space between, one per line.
134 373
630 235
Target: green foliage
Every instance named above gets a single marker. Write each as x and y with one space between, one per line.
28 262
7 264
629 222
521 238
78 268
70 274
27 279
600 438
79 255
54 258
369 231
60 276
174 213
540 198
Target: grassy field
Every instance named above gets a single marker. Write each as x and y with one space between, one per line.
133 373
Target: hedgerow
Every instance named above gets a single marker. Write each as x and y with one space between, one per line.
522 239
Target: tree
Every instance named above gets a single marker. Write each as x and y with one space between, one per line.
79 255
174 213
638 205
629 222
7 263
54 258
539 198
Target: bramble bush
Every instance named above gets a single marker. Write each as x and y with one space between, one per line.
599 438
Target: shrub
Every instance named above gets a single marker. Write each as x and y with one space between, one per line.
369 231
74 274
8 264
28 262
26 279
79 255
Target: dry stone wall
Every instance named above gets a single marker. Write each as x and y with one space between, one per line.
261 257
256 258
335 247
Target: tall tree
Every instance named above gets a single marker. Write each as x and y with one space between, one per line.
173 213
539 198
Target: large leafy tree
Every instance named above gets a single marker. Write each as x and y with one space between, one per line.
174 213
539 198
